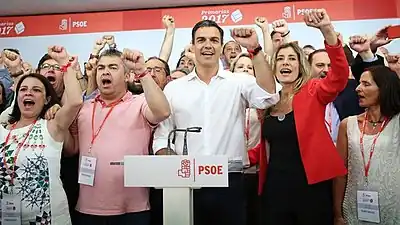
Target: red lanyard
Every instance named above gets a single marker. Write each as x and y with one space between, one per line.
247 128
95 134
371 152
18 149
328 120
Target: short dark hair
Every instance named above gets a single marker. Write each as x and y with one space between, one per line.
309 46
311 55
389 89
166 66
273 33
44 58
223 48
50 92
207 23
113 52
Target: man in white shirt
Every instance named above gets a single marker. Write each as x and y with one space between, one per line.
215 99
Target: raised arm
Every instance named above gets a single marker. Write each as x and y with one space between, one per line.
328 88
168 42
262 23
66 115
160 140
158 106
264 92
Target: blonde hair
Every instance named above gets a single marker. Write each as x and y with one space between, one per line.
304 66
304 69
234 62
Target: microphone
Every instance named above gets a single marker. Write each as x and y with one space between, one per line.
192 130
174 131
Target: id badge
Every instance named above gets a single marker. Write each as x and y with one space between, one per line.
368 206
87 170
11 210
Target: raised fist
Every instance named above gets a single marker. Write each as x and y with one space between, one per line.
27 68
74 62
109 39
90 67
11 59
280 26
99 45
168 21
381 38
134 60
246 37
359 43
317 18
262 23
59 54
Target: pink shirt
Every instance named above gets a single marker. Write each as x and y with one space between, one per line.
125 132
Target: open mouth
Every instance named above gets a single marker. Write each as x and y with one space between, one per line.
285 71
28 103
233 56
51 79
207 53
106 81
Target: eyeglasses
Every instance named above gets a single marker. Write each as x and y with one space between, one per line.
47 66
156 69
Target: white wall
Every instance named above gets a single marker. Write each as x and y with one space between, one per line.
149 41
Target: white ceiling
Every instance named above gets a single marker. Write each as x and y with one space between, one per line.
34 7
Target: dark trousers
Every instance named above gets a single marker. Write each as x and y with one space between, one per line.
297 205
137 218
156 204
221 206
252 198
69 178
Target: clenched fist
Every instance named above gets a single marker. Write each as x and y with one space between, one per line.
246 37
168 21
262 23
359 43
11 59
317 18
280 26
134 60
98 46
59 54
90 67
110 40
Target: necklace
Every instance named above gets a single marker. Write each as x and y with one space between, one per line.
375 123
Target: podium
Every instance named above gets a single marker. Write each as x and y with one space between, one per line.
177 175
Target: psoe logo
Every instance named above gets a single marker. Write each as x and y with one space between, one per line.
184 171
63 24
287 12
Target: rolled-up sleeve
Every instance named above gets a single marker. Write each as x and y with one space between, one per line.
160 140
256 96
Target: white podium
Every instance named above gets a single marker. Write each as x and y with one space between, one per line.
177 176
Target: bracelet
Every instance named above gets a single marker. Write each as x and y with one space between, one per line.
254 52
138 76
65 68
284 35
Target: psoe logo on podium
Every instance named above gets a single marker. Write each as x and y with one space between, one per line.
184 170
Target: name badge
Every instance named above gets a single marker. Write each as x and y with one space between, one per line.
87 170
11 210
368 206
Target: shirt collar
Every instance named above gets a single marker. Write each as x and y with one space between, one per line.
221 73
128 95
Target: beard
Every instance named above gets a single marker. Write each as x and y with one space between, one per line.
135 88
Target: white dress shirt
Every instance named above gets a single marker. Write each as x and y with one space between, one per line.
332 121
219 108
